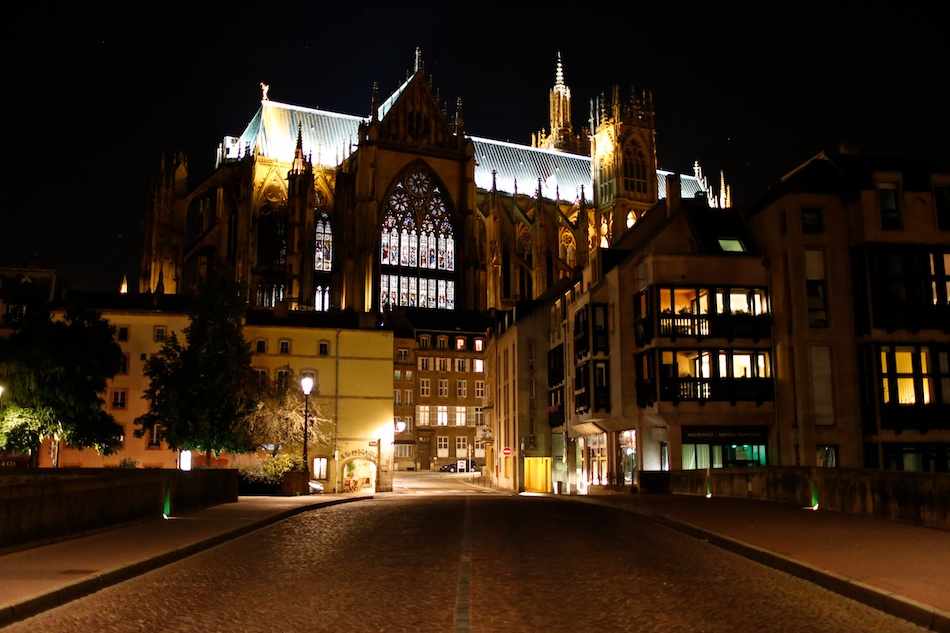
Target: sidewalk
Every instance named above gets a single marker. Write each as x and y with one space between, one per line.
40 578
901 569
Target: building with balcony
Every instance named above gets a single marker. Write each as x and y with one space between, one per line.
858 254
660 352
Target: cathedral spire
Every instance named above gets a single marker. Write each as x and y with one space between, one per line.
458 118
561 136
374 106
559 73
299 160
418 66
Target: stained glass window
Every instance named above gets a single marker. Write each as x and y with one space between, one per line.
417 246
322 260
323 244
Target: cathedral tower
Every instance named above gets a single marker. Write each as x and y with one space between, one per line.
623 163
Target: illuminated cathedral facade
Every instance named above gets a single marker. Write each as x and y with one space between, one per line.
318 210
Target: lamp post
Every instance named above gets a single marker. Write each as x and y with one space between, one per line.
306 383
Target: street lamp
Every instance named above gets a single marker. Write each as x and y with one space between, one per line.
306 383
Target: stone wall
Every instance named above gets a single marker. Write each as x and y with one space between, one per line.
919 498
45 505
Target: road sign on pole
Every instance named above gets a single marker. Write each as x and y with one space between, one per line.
506 451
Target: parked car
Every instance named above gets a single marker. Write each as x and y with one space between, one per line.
460 466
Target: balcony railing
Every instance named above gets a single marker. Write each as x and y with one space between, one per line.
727 326
555 415
717 389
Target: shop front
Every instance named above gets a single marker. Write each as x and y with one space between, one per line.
723 446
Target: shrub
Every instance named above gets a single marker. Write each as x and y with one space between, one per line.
268 469
129 462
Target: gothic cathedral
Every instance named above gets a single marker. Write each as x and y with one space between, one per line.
316 210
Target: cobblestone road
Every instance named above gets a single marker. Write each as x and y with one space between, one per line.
483 564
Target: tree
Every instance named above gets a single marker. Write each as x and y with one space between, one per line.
54 373
277 421
202 390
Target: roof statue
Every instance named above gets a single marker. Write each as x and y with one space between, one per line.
264 89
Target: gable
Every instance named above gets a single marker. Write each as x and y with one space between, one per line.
411 116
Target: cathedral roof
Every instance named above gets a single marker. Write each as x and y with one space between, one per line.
517 167
329 137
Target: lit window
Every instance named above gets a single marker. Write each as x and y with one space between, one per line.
417 245
479 345
460 343
319 467
478 365
323 244
731 245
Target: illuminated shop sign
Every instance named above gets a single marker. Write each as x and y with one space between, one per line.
725 434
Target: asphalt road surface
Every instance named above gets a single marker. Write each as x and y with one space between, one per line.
446 562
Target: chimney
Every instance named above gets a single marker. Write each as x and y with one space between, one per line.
672 193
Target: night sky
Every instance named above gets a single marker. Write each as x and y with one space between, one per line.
96 97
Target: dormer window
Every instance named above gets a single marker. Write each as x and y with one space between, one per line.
731 245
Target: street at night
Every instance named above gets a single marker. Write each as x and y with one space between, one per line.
442 554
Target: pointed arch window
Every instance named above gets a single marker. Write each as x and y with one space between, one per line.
417 246
322 258
634 170
323 243
271 237
606 181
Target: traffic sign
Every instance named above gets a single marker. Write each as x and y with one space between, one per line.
506 451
